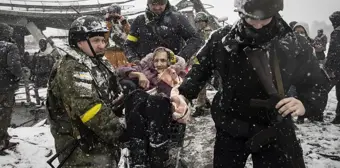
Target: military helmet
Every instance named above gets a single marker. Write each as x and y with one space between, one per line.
163 2
6 31
114 8
258 9
201 16
335 18
85 27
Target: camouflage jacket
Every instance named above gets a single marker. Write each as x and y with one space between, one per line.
84 87
205 33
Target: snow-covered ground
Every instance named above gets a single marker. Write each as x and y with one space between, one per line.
36 143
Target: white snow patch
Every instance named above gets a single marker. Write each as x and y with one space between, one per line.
35 143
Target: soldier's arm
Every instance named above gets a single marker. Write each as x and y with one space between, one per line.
190 35
310 81
200 73
13 61
126 26
131 42
81 100
109 27
324 42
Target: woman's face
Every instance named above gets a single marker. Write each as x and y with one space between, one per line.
300 30
160 61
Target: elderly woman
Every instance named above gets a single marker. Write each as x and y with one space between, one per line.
148 111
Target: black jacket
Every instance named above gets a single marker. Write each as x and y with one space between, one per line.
173 29
333 57
297 63
10 66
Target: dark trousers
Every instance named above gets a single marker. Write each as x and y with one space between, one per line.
232 151
6 108
148 120
337 91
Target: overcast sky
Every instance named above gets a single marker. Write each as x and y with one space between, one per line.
300 10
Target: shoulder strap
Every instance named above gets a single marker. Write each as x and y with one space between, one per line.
160 38
275 63
278 76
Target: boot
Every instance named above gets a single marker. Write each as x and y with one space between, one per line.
207 104
159 154
318 118
300 120
138 155
336 120
200 111
6 144
337 116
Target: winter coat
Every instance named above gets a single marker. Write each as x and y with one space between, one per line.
306 30
83 88
205 33
320 43
42 66
333 55
169 30
10 66
115 37
147 68
224 53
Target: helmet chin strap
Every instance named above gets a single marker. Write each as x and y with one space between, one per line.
92 50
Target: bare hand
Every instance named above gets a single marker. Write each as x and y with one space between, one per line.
181 109
291 106
143 81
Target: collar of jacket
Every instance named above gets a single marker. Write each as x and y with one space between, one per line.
79 56
152 17
285 36
84 59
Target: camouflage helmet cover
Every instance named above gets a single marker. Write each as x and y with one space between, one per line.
114 8
258 9
163 2
85 26
6 31
201 16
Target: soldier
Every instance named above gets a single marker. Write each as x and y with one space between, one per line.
333 60
82 92
202 103
42 65
320 45
161 26
118 27
258 59
202 20
10 74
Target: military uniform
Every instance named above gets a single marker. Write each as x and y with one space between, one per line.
83 87
118 30
10 74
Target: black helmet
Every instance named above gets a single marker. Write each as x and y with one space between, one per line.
85 27
42 44
201 17
335 19
258 9
114 8
6 32
163 2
